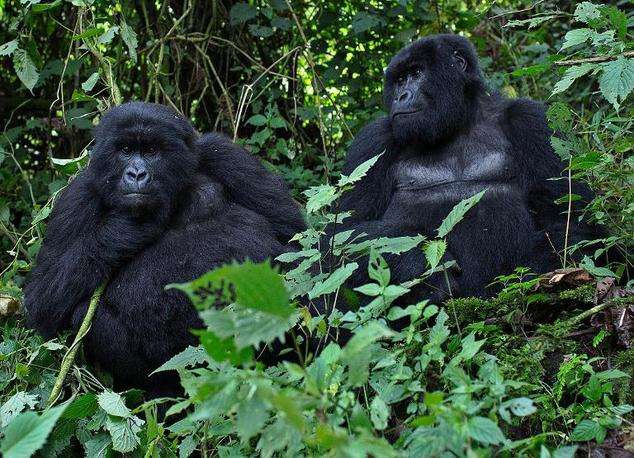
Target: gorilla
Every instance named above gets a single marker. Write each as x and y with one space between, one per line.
158 204
447 137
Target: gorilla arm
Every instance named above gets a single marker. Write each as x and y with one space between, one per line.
79 252
526 128
250 185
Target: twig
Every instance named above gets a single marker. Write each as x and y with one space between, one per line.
598 308
594 59
69 357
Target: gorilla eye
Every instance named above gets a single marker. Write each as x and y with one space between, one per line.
418 72
151 150
125 149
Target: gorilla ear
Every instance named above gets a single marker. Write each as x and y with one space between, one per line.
462 62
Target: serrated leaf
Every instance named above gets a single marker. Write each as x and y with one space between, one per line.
14 405
457 213
224 349
241 13
108 35
571 75
8 48
617 80
25 68
359 172
112 403
189 357
587 12
89 84
251 417
124 433
576 37
257 120
485 431
82 406
586 430
320 197
434 251
334 280
130 39
379 413
27 433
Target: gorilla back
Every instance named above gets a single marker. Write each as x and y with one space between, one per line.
445 139
157 205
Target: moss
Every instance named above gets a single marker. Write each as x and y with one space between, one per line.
625 361
583 293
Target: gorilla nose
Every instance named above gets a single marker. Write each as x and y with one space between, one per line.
136 176
405 96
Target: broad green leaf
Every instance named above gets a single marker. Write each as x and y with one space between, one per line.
470 347
571 75
82 406
99 446
587 12
257 120
457 213
320 197
522 407
108 35
124 433
586 430
14 405
241 13
8 48
569 451
112 403
485 431
576 37
379 413
359 172
224 349
434 251
89 84
334 280
617 80
257 286
130 39
363 21
25 68
251 417
41 7
369 289
191 356
27 433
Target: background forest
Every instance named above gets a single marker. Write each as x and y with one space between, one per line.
544 369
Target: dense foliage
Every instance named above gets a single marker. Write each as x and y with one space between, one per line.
543 369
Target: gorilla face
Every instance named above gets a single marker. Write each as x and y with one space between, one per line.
431 89
143 158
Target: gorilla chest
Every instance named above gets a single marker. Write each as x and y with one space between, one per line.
453 175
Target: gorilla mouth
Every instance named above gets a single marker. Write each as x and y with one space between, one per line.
399 113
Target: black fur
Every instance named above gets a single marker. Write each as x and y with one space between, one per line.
207 202
457 140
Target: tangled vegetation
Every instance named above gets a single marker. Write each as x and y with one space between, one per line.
544 369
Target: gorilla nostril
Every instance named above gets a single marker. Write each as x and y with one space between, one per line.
404 96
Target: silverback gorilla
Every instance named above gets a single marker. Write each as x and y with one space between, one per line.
445 139
157 205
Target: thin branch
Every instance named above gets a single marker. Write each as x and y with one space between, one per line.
594 59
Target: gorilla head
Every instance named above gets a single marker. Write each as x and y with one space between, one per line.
143 158
431 89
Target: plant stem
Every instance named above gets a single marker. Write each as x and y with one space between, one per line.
69 357
594 59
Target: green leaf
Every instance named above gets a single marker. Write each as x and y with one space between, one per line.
522 407
379 413
8 48
130 39
112 403
241 13
82 406
14 405
27 433
587 12
224 349
586 430
108 35
25 68
369 289
485 431
257 120
89 84
251 417
470 347
434 251
40 8
191 356
363 21
457 213
576 37
568 451
571 75
320 197
334 280
617 80
124 433
257 286
359 172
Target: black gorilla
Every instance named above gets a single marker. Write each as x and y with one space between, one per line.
157 205
445 139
